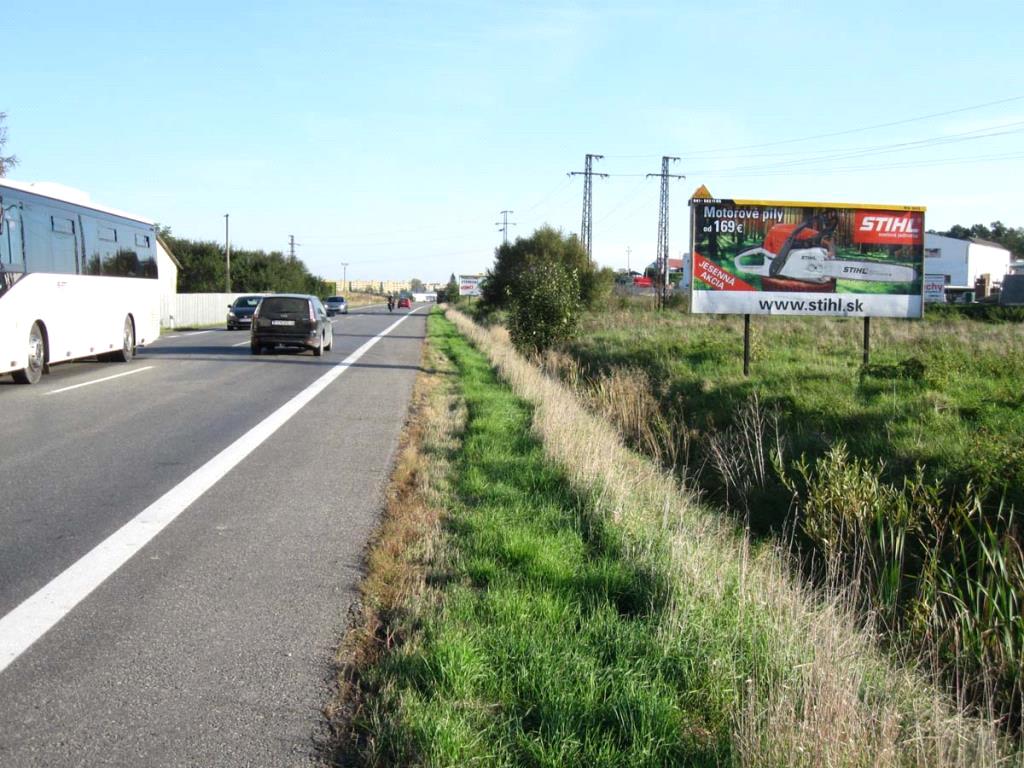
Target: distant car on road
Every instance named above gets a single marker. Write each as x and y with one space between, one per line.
292 320
405 303
336 305
240 312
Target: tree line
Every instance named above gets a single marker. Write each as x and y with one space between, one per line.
203 269
1010 238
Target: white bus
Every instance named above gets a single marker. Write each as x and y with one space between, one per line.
76 280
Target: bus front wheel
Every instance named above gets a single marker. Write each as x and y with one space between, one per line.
33 371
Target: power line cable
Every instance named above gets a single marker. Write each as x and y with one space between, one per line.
886 148
846 132
859 130
827 150
565 185
630 195
729 174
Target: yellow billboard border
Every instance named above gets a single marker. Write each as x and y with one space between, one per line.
806 204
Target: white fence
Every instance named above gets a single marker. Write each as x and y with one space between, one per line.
188 310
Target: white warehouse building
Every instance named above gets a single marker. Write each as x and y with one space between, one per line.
961 262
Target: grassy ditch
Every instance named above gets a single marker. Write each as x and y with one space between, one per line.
904 475
573 606
538 640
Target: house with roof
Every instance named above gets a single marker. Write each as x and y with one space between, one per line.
962 263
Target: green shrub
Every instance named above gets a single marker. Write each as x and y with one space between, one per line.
548 246
596 286
545 306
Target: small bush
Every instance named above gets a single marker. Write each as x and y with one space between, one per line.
545 306
596 287
545 245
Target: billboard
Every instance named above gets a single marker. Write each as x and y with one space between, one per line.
762 257
469 285
934 289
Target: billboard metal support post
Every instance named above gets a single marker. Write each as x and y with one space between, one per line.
746 345
867 340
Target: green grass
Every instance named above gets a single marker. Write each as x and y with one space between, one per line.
941 396
944 393
545 645
601 621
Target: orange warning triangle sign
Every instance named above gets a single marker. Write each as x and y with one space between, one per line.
701 193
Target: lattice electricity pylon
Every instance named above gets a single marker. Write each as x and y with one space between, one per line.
663 226
586 233
503 226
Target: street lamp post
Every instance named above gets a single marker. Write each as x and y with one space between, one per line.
227 255
344 275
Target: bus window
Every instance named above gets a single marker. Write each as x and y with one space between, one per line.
124 263
62 226
147 267
147 255
12 258
63 247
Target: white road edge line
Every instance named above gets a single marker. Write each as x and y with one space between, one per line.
242 343
33 618
132 372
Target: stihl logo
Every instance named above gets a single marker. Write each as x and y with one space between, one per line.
888 227
889 224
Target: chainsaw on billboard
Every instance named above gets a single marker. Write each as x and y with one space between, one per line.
807 252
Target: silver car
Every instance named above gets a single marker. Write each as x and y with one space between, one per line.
336 305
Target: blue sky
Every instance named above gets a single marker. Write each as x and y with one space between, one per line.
390 135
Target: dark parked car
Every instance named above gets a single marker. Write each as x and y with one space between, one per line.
405 303
292 320
240 313
336 305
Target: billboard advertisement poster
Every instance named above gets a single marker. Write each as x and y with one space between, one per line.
934 289
469 285
761 257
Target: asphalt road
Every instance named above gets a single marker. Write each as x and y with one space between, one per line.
212 644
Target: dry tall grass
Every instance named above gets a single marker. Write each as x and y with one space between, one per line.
828 697
625 398
356 299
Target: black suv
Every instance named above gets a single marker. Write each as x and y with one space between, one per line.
292 320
